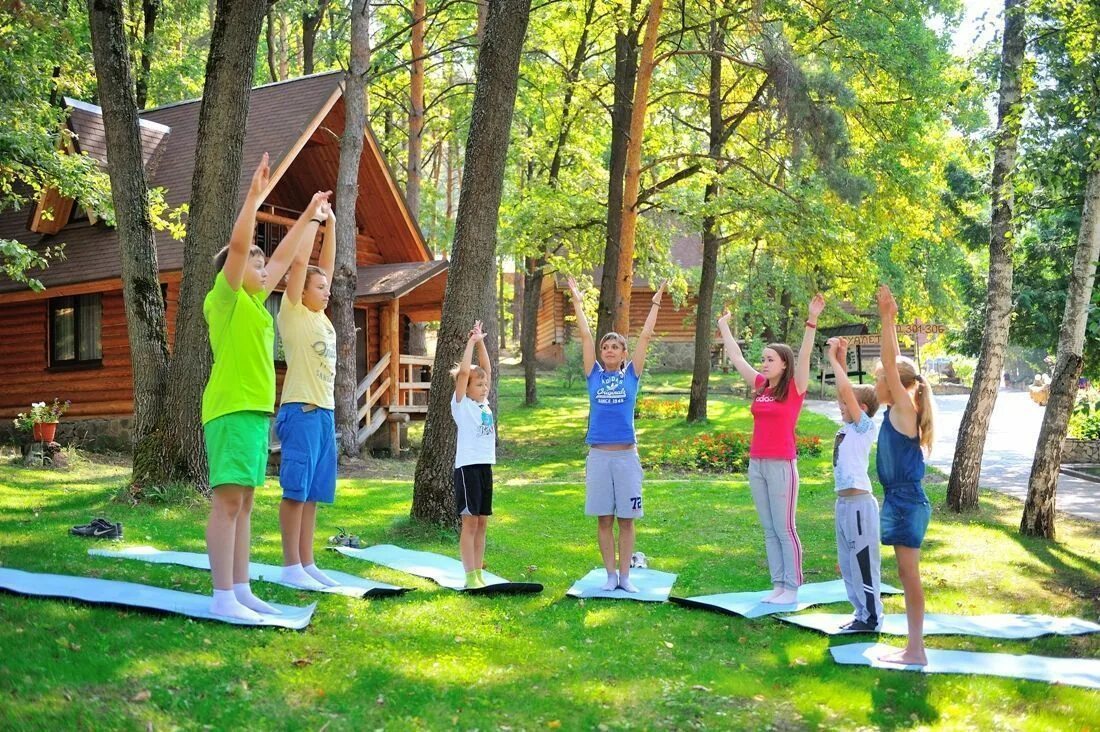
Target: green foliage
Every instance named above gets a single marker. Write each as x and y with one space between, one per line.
652 408
1084 422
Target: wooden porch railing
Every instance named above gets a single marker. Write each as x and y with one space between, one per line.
371 392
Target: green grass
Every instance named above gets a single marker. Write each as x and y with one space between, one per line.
436 659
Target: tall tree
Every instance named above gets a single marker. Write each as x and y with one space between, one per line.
312 15
416 108
633 171
145 316
345 279
626 71
150 9
470 293
1038 518
174 450
962 487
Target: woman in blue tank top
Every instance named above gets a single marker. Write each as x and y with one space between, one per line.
903 442
613 470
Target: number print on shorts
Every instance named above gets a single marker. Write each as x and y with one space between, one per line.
636 503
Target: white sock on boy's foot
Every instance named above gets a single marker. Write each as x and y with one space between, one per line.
612 582
244 595
315 573
225 603
295 574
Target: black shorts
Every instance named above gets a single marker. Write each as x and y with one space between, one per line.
474 490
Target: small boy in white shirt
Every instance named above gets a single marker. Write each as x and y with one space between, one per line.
475 453
857 520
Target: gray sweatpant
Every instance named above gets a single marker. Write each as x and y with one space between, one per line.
774 486
857 552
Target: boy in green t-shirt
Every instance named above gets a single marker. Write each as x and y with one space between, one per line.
240 395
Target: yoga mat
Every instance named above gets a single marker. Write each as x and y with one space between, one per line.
986 626
1070 671
653 586
351 586
445 571
145 597
749 605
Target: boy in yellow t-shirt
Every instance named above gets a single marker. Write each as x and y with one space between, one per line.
240 394
305 424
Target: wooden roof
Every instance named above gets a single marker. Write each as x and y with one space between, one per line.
298 122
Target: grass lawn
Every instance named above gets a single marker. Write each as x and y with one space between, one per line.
435 659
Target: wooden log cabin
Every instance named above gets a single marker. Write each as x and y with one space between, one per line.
70 340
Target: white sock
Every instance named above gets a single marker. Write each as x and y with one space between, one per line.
243 593
225 603
612 582
787 597
295 574
317 574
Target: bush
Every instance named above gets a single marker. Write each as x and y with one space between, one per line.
1084 423
723 452
573 365
660 409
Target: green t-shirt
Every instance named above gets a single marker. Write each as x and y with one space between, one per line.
242 337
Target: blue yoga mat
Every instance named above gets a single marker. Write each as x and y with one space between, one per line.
1071 671
985 626
749 605
653 586
350 585
445 571
144 597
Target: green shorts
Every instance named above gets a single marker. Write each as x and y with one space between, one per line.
236 448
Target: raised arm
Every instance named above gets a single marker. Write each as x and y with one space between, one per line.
837 351
733 351
300 236
462 378
647 330
805 351
240 241
903 415
327 260
296 280
588 346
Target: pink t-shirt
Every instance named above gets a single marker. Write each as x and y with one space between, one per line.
773 423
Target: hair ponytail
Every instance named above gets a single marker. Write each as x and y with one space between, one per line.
926 413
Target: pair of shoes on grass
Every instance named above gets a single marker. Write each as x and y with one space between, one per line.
344 539
98 528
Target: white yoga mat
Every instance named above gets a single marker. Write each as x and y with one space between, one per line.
653 586
146 597
350 585
1070 671
445 571
985 626
749 605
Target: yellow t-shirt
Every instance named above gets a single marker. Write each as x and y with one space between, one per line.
242 338
309 342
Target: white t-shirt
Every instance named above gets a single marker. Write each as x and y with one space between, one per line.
852 454
477 435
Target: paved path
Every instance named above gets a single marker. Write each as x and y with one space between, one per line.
1009 449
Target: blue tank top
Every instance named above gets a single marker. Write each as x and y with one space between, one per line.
611 398
900 461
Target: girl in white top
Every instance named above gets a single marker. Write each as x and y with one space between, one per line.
475 453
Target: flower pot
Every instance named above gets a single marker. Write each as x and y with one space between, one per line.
45 431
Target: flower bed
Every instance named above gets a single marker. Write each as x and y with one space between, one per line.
723 452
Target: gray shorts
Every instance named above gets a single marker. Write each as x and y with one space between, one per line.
613 483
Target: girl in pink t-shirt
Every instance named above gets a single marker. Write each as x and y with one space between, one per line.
779 390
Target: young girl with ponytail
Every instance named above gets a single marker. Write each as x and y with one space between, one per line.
904 441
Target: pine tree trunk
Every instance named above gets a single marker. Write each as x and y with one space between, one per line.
269 28
1038 518
345 278
962 487
311 23
704 313
146 324
534 269
626 69
632 179
470 293
416 109
150 9
175 450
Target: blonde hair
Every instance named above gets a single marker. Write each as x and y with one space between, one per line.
611 336
312 270
926 405
473 370
865 395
